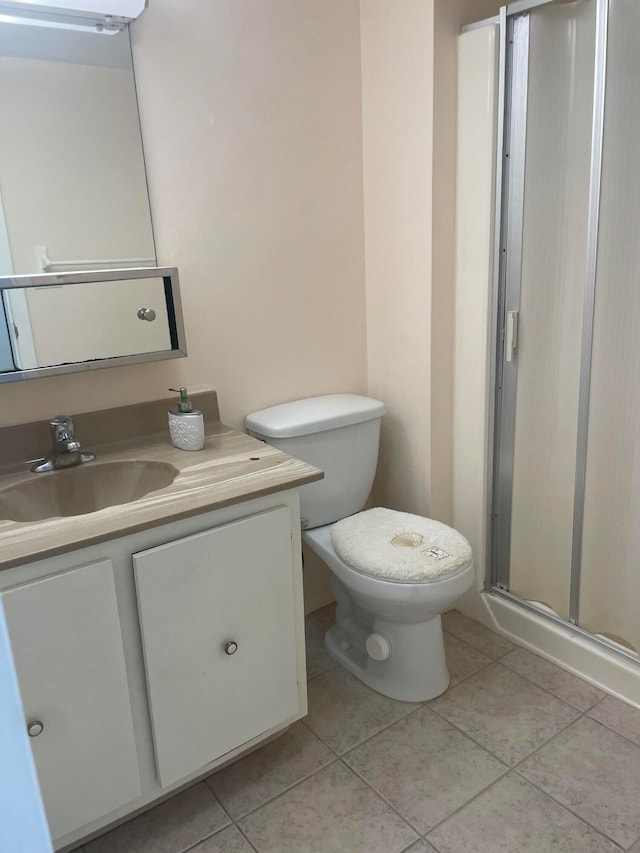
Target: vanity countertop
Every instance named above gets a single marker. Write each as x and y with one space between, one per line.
232 467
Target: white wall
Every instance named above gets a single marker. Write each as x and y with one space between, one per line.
476 155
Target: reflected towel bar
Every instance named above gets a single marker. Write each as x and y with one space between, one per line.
45 263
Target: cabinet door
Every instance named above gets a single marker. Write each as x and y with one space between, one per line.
67 646
232 584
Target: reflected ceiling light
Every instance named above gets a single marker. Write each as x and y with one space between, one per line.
96 16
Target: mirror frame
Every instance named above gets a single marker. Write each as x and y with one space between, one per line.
172 294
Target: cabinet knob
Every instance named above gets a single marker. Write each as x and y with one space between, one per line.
146 314
231 647
35 728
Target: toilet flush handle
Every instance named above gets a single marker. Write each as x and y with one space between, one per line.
378 647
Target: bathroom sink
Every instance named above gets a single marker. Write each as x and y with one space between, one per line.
87 488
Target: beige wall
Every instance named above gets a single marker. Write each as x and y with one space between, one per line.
289 145
251 121
409 139
397 91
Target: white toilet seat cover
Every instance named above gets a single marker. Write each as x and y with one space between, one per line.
398 546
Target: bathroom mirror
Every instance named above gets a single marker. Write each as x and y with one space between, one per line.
66 322
73 190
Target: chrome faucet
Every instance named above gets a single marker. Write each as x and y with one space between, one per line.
65 449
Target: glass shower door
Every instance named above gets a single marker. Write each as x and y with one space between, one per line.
567 466
549 148
610 569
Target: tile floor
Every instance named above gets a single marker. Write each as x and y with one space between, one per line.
517 756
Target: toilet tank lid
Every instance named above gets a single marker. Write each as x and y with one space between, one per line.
314 414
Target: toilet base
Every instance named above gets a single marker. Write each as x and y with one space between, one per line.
415 670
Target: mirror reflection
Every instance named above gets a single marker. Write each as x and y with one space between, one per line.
73 191
70 322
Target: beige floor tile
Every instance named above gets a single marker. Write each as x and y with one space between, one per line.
325 617
171 827
331 812
635 848
617 715
475 634
265 773
462 659
596 773
504 712
514 817
562 684
317 658
230 840
343 711
421 847
425 768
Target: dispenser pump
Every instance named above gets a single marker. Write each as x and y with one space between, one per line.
184 406
186 425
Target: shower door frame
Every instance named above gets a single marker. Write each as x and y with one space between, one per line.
509 220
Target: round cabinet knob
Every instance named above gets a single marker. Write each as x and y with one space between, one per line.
378 647
35 728
231 647
146 314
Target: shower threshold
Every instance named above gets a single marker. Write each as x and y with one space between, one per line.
546 612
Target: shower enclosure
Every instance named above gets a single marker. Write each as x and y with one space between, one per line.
566 467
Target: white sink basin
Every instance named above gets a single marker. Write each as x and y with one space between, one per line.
87 488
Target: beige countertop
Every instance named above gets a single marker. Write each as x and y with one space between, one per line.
232 467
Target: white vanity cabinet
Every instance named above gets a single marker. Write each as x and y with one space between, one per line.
217 614
152 658
67 647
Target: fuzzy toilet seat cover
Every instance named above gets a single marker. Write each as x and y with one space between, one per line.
399 546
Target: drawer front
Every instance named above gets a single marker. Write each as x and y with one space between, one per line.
217 614
67 646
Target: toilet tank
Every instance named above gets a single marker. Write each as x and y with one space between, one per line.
338 433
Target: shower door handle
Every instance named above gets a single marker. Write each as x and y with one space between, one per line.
511 336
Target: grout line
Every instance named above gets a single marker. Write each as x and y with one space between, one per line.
493 754
387 801
464 805
533 785
516 769
580 713
246 837
540 687
568 809
548 690
333 760
322 672
371 736
293 785
607 726
216 831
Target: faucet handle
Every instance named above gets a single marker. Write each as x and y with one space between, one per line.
63 430
63 421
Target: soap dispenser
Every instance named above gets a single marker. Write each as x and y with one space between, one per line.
186 425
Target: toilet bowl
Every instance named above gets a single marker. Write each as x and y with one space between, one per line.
392 574
389 633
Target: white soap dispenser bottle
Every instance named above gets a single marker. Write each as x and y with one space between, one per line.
186 425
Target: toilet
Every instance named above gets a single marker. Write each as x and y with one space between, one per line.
392 573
